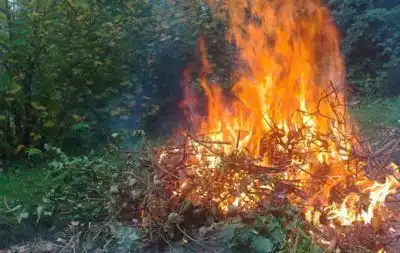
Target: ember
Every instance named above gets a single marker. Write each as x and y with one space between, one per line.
286 136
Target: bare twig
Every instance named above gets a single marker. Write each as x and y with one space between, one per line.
191 238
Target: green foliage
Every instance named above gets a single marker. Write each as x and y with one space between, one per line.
126 238
71 189
80 187
61 62
177 26
268 234
371 31
20 193
67 68
23 187
33 151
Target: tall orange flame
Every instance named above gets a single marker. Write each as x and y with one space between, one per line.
292 50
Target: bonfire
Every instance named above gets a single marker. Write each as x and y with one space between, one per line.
283 133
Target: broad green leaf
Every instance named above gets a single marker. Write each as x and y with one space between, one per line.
245 234
31 151
262 245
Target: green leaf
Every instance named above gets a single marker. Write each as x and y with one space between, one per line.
33 151
262 245
49 124
80 126
16 89
245 235
229 233
3 16
272 223
292 224
19 42
278 236
37 106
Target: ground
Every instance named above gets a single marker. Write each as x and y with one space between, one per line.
375 113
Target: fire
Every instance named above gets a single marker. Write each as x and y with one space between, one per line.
347 211
288 110
377 195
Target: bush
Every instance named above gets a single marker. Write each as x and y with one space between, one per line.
70 189
80 188
371 30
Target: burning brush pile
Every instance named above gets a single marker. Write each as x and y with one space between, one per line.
282 136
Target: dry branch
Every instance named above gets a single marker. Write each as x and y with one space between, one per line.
176 175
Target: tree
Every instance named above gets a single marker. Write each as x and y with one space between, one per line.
62 62
371 30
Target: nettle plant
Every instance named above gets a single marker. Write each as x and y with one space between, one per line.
268 234
80 187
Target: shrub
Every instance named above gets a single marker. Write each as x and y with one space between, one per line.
370 29
80 187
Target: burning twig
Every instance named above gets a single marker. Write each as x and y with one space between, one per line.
282 171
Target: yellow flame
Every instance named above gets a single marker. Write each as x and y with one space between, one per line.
377 195
348 212
292 52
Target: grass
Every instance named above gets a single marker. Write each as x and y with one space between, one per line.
26 186
21 190
373 113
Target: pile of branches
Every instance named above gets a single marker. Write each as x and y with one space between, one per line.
145 200
151 199
176 194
